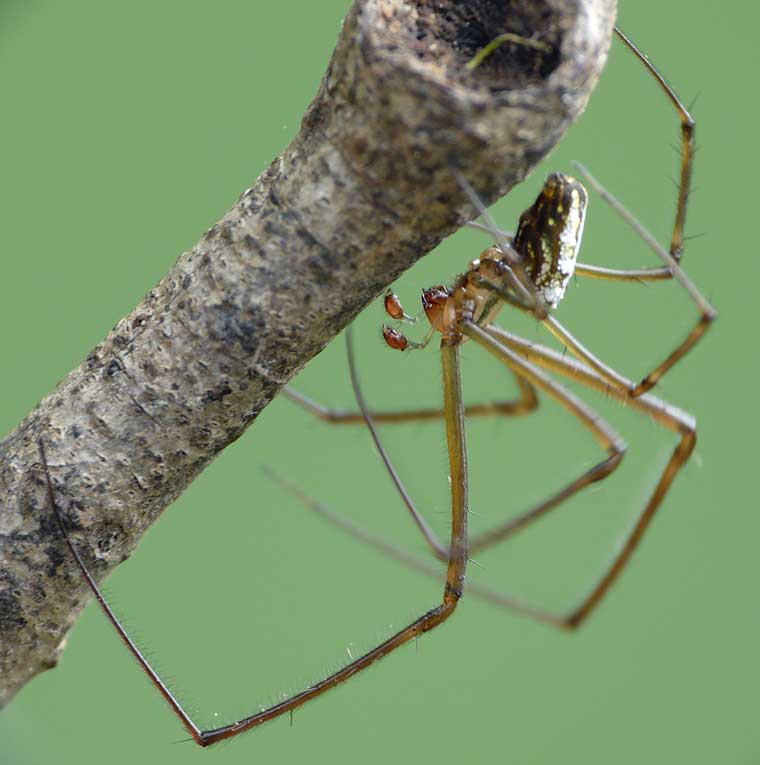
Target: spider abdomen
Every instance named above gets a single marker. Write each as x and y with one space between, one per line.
549 235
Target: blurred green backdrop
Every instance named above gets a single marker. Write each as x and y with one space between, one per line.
127 129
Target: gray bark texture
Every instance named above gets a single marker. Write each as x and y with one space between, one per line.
364 190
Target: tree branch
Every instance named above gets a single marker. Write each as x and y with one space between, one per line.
362 192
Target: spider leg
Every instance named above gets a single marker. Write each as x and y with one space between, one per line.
526 402
533 377
457 560
665 414
673 256
602 432
507 235
606 436
657 274
669 416
524 295
162 688
684 184
687 145
436 546
574 345
614 379
414 562
707 313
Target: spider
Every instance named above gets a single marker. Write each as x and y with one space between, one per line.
529 271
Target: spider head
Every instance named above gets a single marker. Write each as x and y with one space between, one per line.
549 235
434 301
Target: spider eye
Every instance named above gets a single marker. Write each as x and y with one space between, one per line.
549 235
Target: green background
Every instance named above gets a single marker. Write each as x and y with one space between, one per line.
127 129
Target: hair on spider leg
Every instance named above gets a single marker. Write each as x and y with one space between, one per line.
693 103
507 235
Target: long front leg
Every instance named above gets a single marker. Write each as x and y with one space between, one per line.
457 560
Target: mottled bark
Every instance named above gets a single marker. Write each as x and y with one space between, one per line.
364 190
